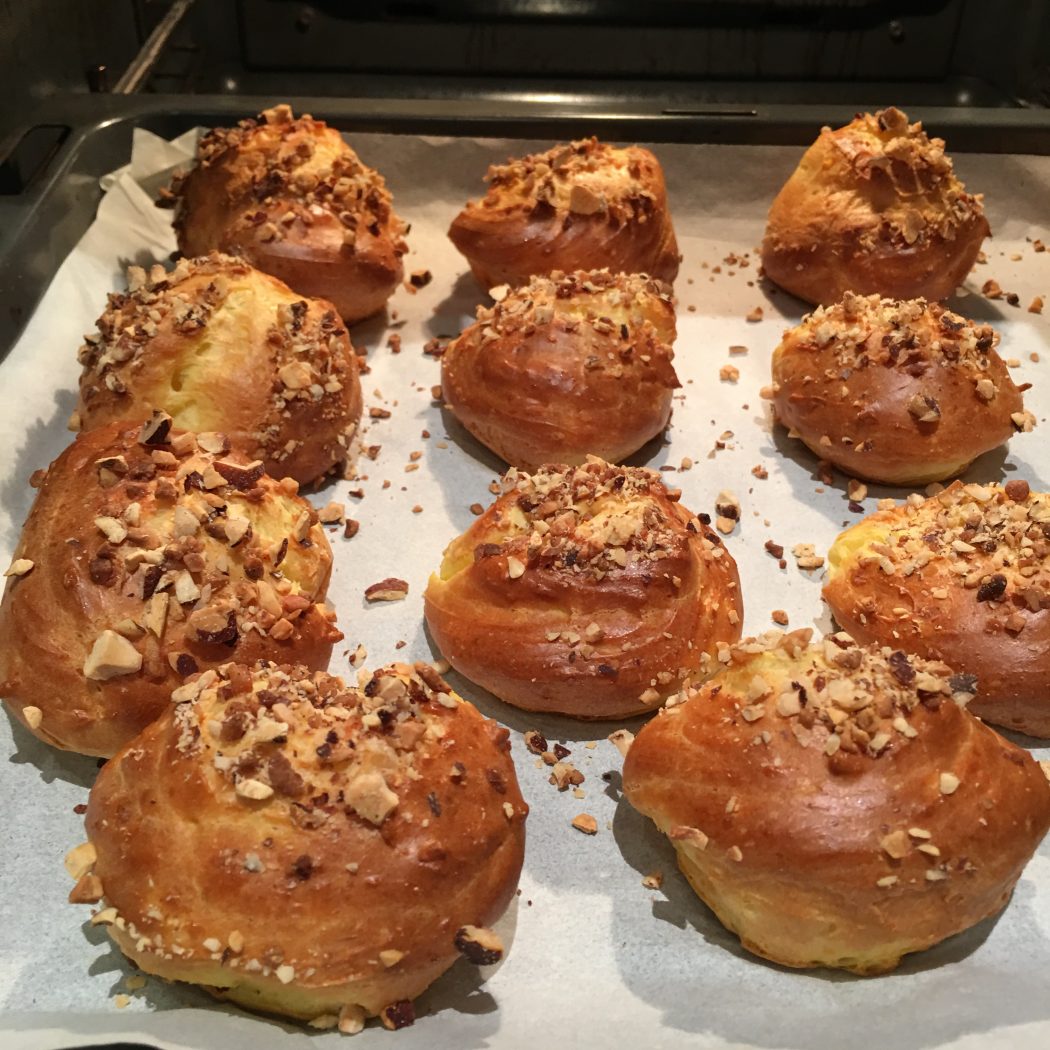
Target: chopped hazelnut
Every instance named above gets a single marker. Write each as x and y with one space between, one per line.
586 823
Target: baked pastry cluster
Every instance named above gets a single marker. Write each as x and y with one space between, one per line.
835 805
589 591
151 554
874 208
291 197
566 366
219 345
579 206
903 392
963 577
306 847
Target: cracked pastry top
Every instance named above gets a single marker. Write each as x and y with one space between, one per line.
219 345
897 391
588 591
963 577
579 206
290 196
835 804
150 554
565 366
304 846
874 207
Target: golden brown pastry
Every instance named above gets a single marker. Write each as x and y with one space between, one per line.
580 206
834 805
294 199
150 554
305 847
221 346
588 590
874 208
903 392
566 366
963 577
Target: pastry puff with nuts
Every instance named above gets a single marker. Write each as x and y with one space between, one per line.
566 366
221 346
290 196
874 208
835 805
150 554
588 591
902 392
579 206
963 577
339 846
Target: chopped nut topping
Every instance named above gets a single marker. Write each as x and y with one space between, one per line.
110 657
20 567
80 860
479 945
586 823
388 590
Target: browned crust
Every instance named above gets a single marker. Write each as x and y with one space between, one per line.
292 198
529 223
82 584
306 880
222 346
935 612
573 365
897 392
575 632
873 207
795 843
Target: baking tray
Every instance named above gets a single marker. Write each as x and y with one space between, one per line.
55 162
40 224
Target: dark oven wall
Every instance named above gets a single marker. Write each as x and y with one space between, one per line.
935 51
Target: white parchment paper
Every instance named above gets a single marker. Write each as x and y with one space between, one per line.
596 958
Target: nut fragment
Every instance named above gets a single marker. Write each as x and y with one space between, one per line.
388 590
80 860
156 429
351 1019
253 789
20 567
586 823
688 836
583 201
213 442
110 657
479 945
397 1015
88 890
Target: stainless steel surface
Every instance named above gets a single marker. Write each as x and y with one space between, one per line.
144 62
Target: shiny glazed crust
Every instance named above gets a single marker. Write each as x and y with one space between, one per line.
149 562
221 346
291 197
588 591
834 805
962 577
566 366
874 208
305 847
579 206
892 391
